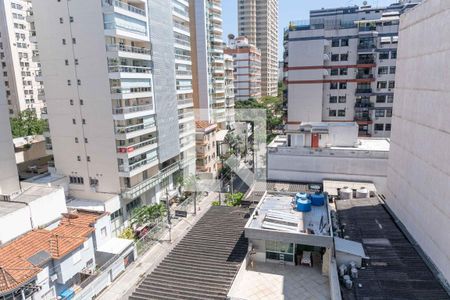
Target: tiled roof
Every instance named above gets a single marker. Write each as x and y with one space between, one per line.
15 266
203 124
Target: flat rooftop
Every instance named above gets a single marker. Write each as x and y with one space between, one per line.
34 192
7 207
395 269
332 186
44 179
276 212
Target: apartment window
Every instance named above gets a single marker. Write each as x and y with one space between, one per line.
71 102
66 62
343 71
76 61
342 99
389 112
76 180
332 113
379 127
383 70
334 72
381 99
392 70
381 84
88 158
391 84
344 57
116 214
81 102
71 19
387 127
76 140
335 43
383 55
79 82
69 82
394 54
61 20
343 85
74 121
333 99
63 41
335 57
84 121
341 113
344 42
78 158
74 40
86 140
333 85
379 113
390 98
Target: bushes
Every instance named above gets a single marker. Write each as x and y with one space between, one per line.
234 199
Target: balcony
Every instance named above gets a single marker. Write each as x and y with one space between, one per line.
125 6
185 116
120 50
131 131
367 28
182 27
366 61
181 13
366 47
121 71
184 88
132 109
140 164
363 90
126 30
216 18
364 105
41 95
183 43
185 102
183 73
186 59
128 93
364 76
131 149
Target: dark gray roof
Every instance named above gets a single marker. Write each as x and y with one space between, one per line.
40 258
395 269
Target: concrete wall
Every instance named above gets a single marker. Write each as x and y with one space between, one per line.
418 188
48 208
21 220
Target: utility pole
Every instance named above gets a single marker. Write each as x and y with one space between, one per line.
169 221
195 195
221 181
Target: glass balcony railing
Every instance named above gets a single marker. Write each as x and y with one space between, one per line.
129 69
126 6
133 128
134 166
132 109
129 28
130 148
182 42
181 11
181 26
182 57
120 90
130 49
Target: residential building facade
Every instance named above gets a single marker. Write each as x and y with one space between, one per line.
229 90
206 149
247 66
340 66
419 163
119 98
19 58
9 179
258 21
208 61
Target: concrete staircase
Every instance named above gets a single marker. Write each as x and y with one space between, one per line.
204 263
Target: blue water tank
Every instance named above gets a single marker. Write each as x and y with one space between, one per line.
317 199
304 205
301 196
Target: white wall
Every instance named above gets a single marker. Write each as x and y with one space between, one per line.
418 188
49 207
17 223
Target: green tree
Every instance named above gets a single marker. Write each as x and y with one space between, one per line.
26 124
147 214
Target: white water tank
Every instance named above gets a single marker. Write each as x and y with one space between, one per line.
362 192
346 193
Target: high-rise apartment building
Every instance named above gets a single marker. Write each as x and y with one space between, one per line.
229 89
9 179
247 65
341 65
118 89
208 60
418 185
18 58
258 21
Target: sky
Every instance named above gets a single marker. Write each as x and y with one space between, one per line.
289 10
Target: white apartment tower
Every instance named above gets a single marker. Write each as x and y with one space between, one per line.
18 58
418 185
258 21
208 60
340 66
229 89
247 65
9 178
118 91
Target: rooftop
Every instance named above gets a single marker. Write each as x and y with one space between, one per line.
22 258
35 192
7 207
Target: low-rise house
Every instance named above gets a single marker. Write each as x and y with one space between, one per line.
205 138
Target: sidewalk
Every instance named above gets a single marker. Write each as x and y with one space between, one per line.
123 286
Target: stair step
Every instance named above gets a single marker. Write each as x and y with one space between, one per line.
185 290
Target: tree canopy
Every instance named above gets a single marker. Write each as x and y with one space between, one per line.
26 124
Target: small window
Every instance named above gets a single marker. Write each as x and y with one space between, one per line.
343 71
342 99
381 99
344 42
86 140
335 57
343 85
71 19
76 61
334 72
384 55
379 113
78 158
74 121
88 158
394 54
332 113
333 99
341 113
66 62
392 70
389 112
387 127
81 102
381 84
63 41
61 20
74 40
71 101
390 98
383 70
344 57
335 43
391 84
69 83
84 121
79 82
379 127
76 140
333 85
